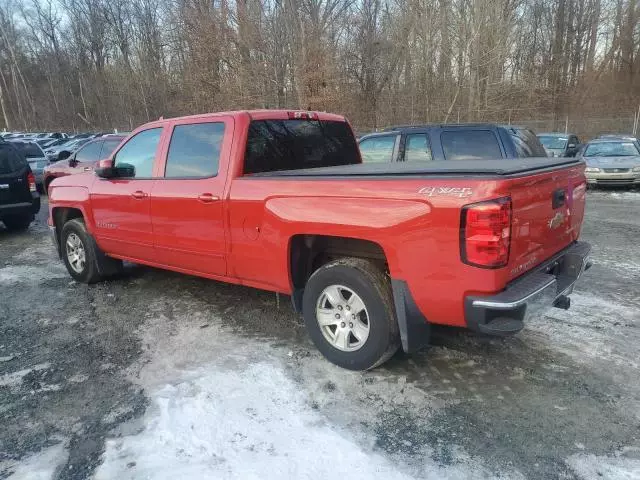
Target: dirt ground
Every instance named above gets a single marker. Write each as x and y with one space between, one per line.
161 375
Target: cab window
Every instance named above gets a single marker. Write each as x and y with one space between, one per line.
140 152
378 149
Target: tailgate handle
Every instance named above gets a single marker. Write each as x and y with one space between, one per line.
559 198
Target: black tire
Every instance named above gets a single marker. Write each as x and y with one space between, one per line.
374 288
90 272
17 223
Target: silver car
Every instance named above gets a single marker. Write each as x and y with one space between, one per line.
612 162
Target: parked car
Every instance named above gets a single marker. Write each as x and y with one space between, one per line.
84 160
560 144
36 158
280 201
65 149
449 142
19 199
612 162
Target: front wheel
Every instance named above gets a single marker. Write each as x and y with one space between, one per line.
78 252
349 314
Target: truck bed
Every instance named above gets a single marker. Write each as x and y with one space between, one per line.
476 168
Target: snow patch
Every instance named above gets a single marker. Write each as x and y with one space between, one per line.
14 379
593 467
42 466
30 273
252 423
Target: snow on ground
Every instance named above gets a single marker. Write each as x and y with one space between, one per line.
225 406
592 467
32 274
592 328
41 466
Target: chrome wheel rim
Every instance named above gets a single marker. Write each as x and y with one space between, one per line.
343 318
75 253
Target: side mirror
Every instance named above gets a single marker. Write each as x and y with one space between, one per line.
106 169
72 161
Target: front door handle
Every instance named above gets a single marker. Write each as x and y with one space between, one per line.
208 198
87 169
139 194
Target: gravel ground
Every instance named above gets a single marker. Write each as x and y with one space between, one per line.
161 375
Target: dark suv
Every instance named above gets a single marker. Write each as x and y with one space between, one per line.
19 199
450 142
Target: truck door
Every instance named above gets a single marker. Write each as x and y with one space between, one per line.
121 205
187 208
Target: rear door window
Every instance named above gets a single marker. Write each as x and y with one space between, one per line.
194 151
378 149
89 153
417 148
276 145
470 145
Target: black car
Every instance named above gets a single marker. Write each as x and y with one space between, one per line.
450 142
19 199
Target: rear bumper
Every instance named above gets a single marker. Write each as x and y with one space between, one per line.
530 295
22 208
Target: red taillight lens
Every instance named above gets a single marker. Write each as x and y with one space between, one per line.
32 182
485 233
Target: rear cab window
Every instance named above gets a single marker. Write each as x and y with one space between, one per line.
279 145
470 145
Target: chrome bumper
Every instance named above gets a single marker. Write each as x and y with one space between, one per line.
530 295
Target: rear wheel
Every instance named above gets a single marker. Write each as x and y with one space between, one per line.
349 313
17 223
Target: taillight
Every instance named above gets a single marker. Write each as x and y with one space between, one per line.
303 116
32 182
485 233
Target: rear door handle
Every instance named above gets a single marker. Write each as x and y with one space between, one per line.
139 194
208 198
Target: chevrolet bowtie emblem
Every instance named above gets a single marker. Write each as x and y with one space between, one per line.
556 221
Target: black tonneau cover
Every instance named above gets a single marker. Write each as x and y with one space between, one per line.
492 168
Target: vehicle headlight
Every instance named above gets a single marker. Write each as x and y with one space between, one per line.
636 169
591 170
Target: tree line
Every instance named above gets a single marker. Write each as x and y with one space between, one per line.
100 64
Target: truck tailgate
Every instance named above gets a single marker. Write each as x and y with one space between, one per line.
547 213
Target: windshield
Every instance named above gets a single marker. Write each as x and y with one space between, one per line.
553 143
29 150
611 149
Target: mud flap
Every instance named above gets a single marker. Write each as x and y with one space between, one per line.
414 327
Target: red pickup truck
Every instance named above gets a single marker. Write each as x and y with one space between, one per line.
371 254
